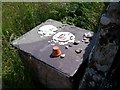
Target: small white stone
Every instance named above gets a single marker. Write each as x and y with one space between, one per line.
52 44
78 51
105 20
84 38
85 34
87 40
49 41
89 34
62 55
66 47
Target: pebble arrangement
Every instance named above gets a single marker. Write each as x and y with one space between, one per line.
86 39
63 38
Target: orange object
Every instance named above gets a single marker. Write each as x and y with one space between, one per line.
56 51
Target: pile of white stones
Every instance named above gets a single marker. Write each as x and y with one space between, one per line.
87 37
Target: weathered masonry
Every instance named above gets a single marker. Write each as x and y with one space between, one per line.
103 70
54 69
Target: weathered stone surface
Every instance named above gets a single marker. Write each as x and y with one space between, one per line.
105 20
90 71
96 78
102 68
92 83
105 49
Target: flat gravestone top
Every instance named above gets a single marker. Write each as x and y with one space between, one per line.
40 46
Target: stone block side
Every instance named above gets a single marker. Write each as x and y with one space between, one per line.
46 75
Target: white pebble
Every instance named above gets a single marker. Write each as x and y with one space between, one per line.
62 55
66 47
87 40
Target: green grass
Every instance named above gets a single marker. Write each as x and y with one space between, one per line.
18 18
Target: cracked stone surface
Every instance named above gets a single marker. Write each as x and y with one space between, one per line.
105 49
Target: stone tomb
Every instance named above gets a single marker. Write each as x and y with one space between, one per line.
64 71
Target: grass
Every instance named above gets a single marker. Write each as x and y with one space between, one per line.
19 18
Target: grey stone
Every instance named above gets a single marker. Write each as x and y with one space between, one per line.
96 77
90 71
52 44
102 68
104 50
105 20
64 70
